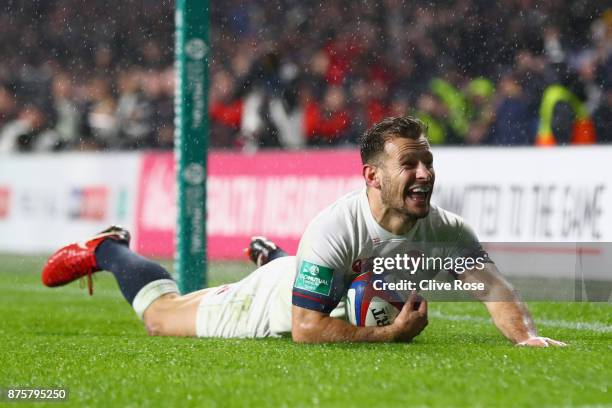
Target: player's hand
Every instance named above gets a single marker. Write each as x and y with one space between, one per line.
536 341
412 319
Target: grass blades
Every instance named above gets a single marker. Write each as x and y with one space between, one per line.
97 348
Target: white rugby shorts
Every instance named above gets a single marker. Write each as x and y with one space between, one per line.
257 306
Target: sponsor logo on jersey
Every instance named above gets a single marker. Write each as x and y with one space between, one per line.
314 278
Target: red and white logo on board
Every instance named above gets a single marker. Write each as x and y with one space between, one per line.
5 201
89 203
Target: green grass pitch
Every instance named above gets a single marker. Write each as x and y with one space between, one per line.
97 348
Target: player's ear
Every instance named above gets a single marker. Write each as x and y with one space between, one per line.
371 175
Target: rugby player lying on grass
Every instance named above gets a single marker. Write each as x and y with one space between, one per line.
302 295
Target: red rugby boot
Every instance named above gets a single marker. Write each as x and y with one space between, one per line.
77 260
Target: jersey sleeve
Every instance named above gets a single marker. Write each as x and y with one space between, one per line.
467 245
323 264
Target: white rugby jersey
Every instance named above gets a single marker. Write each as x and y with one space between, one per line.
344 239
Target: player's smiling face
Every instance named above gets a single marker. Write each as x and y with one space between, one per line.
407 176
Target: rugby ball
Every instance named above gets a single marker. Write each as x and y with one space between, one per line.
367 306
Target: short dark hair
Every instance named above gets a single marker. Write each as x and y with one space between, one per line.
372 143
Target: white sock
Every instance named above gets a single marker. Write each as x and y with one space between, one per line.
151 292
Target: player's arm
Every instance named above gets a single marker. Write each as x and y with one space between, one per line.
509 313
311 326
324 265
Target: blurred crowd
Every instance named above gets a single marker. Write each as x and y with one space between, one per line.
82 75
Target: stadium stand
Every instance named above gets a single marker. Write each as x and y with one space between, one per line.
295 74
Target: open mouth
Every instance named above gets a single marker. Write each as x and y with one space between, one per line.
418 194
